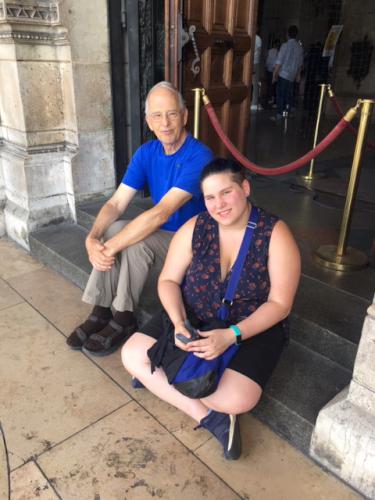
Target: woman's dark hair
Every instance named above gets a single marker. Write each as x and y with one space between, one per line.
223 165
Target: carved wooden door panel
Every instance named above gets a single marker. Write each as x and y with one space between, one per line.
225 30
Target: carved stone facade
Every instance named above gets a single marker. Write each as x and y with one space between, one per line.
56 141
88 32
344 434
38 123
38 12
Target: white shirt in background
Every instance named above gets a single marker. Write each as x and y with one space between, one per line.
290 58
257 49
271 59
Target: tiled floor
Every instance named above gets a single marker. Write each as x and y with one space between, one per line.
75 429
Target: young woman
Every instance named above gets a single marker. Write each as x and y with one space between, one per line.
194 279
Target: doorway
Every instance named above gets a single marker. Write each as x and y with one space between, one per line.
132 25
218 56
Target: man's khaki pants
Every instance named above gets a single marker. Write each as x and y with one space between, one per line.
121 286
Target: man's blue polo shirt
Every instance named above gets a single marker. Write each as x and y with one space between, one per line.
161 172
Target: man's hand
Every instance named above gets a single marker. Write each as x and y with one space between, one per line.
215 343
99 258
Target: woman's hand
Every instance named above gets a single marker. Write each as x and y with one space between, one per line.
214 343
181 328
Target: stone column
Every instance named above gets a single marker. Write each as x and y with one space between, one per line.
344 436
88 31
38 131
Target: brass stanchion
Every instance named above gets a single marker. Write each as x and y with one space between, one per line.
198 92
330 91
345 258
310 176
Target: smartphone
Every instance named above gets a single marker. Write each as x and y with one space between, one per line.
193 332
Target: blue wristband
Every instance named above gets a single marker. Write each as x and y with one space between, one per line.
237 333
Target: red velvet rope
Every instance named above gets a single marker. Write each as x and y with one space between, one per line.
277 170
351 129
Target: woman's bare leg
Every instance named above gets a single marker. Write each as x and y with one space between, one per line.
235 394
136 362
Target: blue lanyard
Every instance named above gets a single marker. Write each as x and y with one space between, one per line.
227 301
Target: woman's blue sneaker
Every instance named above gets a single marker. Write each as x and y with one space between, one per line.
136 384
227 430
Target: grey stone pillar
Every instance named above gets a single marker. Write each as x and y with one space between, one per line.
38 131
344 434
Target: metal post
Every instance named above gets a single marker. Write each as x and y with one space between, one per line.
197 110
323 87
345 258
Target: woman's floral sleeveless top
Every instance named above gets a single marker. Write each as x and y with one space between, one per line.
202 288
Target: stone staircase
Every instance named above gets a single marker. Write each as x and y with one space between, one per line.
325 328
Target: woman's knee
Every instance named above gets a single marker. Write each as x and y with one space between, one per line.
234 405
236 394
245 404
134 351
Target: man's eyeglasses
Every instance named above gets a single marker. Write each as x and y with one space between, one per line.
170 115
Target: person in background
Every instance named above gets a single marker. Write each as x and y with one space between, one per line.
287 70
270 65
255 106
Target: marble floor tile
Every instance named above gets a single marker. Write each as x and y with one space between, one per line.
55 297
270 468
14 260
8 297
27 483
179 424
50 392
129 456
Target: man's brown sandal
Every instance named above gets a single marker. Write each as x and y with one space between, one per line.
93 324
109 339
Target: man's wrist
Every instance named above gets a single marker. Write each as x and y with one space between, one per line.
90 238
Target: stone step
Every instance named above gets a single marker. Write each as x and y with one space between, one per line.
328 320
302 383
62 247
324 319
304 380
86 212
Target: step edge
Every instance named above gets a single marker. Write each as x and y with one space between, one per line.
338 290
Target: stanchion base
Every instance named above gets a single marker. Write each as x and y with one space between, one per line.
353 259
313 177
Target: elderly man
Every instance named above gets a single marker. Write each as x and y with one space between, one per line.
122 253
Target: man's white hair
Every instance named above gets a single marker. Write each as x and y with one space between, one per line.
167 86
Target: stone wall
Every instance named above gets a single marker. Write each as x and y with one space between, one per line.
88 32
358 21
38 131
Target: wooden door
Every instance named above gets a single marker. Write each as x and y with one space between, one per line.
225 34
